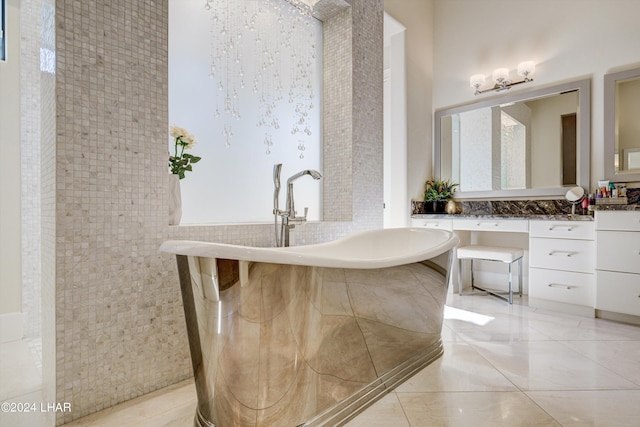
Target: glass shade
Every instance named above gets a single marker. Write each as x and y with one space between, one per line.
477 80
526 68
500 75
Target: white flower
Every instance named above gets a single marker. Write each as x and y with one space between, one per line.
177 131
182 137
188 141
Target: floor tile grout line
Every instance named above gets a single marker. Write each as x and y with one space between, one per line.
404 412
541 408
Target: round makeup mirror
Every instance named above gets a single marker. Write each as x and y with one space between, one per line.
575 195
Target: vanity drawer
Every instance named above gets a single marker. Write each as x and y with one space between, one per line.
558 254
562 286
442 224
517 225
618 220
563 229
618 292
618 251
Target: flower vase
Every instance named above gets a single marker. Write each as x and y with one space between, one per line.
175 200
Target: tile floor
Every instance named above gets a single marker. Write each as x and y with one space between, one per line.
503 366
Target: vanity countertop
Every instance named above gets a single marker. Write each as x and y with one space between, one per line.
553 210
506 217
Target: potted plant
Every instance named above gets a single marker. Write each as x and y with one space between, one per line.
436 194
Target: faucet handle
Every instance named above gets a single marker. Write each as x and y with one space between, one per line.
299 219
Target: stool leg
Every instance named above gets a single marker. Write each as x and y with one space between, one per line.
510 284
472 278
460 276
520 277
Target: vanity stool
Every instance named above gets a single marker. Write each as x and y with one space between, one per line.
492 253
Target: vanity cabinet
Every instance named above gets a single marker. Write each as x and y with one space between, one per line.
503 225
439 223
618 262
562 265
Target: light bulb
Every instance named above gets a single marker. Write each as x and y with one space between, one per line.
477 80
526 69
501 75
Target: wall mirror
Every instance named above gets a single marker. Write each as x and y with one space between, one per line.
622 125
528 144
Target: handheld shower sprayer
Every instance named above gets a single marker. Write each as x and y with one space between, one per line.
277 168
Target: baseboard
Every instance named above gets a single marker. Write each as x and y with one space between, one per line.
618 317
577 310
10 327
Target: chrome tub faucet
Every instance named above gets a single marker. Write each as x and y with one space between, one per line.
289 218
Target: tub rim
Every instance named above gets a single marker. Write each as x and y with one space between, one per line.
325 254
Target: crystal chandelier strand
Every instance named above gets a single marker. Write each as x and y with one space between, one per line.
281 38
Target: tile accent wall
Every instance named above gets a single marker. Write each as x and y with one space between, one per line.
119 324
367 18
38 171
30 124
337 118
46 15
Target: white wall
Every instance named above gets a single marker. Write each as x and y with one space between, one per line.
10 242
234 184
417 16
568 40
395 124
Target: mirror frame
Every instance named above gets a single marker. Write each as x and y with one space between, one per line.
610 81
583 155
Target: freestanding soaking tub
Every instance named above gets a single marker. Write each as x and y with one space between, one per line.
310 335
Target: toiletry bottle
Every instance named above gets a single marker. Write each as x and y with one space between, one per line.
585 206
592 204
612 187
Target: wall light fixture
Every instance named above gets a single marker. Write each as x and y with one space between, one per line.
501 78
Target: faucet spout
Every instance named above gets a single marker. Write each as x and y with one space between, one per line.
314 174
290 203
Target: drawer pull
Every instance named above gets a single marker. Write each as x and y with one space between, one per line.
568 227
495 224
558 285
565 253
432 224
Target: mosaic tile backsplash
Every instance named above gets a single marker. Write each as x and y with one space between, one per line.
119 323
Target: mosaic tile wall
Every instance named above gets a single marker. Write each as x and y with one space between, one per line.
30 131
337 114
119 322
367 113
45 14
38 169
